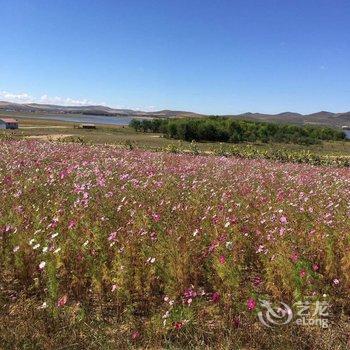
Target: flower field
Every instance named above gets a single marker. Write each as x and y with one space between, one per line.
108 248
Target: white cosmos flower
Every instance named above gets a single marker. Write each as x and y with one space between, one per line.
43 306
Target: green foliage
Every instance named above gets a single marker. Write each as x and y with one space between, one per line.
220 129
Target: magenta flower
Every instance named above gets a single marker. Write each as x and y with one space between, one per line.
156 217
62 301
251 304
215 297
72 224
178 325
112 236
135 335
302 273
294 257
222 259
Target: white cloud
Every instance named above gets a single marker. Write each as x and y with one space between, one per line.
24 97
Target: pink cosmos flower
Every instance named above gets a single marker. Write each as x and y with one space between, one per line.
62 301
257 280
156 217
302 273
283 220
112 236
294 257
222 259
215 297
135 335
178 325
315 267
72 224
251 304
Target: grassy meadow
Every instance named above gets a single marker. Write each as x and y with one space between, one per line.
109 247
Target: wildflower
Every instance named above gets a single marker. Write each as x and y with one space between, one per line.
251 304
42 265
54 235
135 335
227 224
215 297
36 246
283 220
16 248
302 273
294 257
57 250
260 249
222 259
45 249
72 224
178 325
229 244
166 315
112 236
336 281
43 305
62 301
315 267
257 281
195 232
151 260
54 223
114 287
155 217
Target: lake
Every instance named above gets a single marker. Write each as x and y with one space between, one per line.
86 119
347 133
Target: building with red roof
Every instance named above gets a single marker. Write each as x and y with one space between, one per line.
8 123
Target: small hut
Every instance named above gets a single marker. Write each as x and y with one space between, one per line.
8 123
87 126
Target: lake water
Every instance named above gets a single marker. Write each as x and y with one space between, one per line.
347 133
87 119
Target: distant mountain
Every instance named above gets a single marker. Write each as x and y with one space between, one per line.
319 118
45 108
322 118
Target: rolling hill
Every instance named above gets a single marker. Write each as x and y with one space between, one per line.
321 118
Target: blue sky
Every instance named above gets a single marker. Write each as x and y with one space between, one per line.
206 56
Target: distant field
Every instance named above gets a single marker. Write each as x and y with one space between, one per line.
120 135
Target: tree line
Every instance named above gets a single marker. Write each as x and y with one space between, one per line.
223 129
